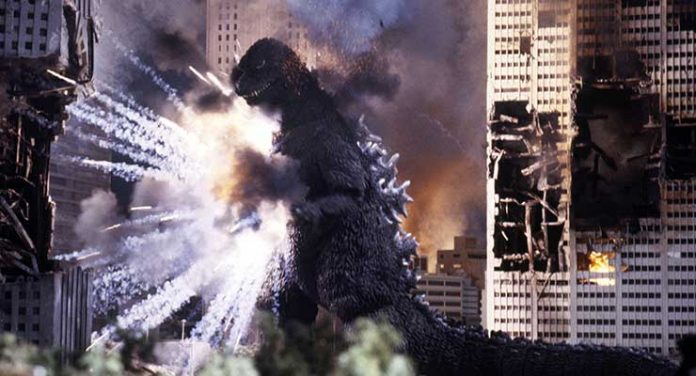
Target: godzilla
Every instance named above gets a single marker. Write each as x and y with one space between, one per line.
350 254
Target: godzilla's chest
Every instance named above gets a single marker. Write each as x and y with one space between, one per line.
310 171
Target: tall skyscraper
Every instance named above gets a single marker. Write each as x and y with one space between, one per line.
592 170
45 56
234 25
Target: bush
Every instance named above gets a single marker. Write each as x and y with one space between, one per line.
368 349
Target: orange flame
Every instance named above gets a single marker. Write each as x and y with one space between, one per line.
599 263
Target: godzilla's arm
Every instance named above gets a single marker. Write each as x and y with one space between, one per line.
342 176
332 205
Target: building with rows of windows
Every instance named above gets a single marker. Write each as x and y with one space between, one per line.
592 170
234 25
455 296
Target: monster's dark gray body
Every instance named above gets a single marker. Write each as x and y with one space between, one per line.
350 254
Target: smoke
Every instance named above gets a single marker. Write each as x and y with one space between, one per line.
349 25
207 216
97 212
448 202
421 86
210 100
258 178
368 75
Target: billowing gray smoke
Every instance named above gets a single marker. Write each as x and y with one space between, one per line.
350 25
421 85
258 179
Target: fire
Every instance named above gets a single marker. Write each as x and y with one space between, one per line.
599 263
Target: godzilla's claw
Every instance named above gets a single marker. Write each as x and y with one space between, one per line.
306 212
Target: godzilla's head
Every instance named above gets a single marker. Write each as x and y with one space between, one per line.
270 73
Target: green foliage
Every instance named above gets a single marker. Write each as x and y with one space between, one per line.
372 352
19 358
369 349
298 350
99 362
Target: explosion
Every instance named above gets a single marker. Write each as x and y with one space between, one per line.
191 231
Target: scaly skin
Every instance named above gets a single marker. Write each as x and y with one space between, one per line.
350 254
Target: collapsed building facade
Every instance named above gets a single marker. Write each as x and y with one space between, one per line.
592 171
46 55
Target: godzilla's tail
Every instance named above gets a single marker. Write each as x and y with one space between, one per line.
439 349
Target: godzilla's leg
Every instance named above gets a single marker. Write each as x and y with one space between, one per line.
296 307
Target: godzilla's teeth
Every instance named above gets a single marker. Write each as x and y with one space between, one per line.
404 262
381 182
407 198
391 184
389 221
405 185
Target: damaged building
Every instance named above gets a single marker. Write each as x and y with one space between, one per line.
46 56
592 171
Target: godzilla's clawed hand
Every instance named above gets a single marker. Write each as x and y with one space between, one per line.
306 212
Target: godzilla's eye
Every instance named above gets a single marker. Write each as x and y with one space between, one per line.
263 64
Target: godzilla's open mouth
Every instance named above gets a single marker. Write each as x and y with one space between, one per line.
257 93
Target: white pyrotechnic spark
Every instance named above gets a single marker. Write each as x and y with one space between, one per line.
183 238
216 81
199 75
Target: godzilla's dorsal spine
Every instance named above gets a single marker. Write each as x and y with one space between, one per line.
394 198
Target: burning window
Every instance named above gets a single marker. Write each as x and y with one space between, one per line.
600 266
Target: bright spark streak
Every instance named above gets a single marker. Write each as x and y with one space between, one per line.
87 256
199 75
111 228
225 90
61 77
140 208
